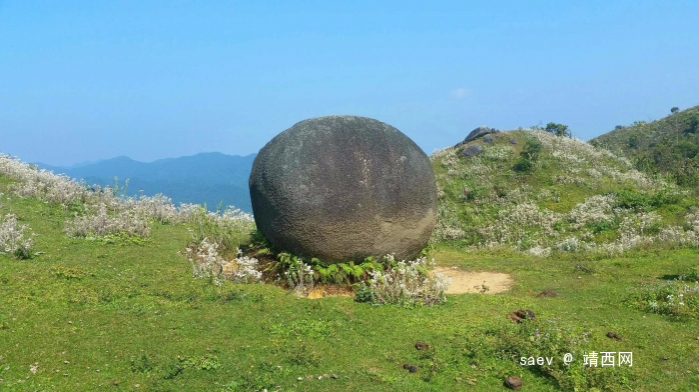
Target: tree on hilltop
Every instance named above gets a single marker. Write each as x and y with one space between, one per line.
557 129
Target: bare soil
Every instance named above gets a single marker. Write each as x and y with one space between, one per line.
330 291
473 281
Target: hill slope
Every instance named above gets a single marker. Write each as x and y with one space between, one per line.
669 145
209 178
565 196
124 313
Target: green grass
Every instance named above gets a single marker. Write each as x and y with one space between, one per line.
668 145
125 317
552 184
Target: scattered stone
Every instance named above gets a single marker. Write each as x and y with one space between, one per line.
520 315
472 151
513 382
665 358
613 335
488 139
300 379
334 376
422 346
320 377
513 140
410 368
344 188
326 375
547 293
693 208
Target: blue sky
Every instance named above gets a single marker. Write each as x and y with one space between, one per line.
84 80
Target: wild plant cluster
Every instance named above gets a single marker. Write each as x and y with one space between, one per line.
486 202
100 211
208 263
678 298
407 283
548 338
15 239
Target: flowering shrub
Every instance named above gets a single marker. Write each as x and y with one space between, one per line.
207 263
523 221
497 153
102 223
300 278
596 209
227 229
15 239
408 283
539 251
106 212
673 297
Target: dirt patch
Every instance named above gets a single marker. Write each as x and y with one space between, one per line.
473 282
461 282
330 291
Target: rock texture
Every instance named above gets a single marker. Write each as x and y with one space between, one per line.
472 151
513 382
476 133
343 188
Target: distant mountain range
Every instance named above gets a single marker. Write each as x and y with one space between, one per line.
207 178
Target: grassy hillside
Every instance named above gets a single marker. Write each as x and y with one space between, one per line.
669 145
120 310
542 194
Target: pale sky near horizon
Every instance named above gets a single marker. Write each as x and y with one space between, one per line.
87 80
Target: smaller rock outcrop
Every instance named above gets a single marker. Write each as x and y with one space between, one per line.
513 382
472 151
476 133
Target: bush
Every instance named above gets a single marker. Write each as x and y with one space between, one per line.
630 199
693 126
633 141
532 149
207 263
687 149
102 223
673 297
408 284
690 275
15 239
523 165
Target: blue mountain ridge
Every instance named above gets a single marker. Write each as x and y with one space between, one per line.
208 178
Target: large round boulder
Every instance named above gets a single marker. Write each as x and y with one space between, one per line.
343 188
